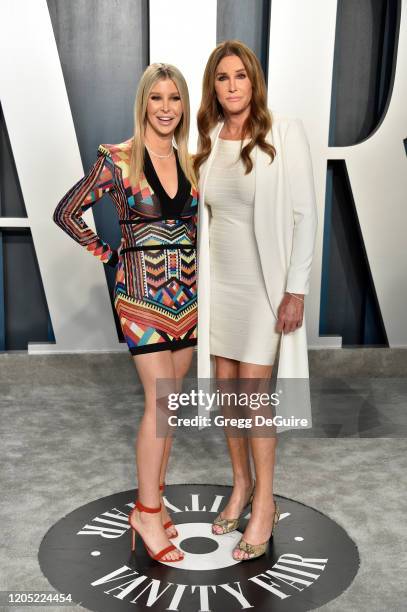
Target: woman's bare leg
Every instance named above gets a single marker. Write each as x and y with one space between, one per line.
239 454
182 361
263 452
150 450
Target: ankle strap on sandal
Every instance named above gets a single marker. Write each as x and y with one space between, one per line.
143 508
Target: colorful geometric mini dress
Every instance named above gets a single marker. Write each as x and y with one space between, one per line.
155 289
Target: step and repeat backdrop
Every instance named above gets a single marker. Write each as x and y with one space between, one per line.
68 77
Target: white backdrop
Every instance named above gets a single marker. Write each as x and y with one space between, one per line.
302 37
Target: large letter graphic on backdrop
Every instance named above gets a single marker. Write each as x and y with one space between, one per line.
184 34
46 154
302 38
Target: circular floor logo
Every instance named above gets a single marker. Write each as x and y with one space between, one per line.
311 559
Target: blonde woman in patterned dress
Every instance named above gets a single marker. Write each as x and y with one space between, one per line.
153 187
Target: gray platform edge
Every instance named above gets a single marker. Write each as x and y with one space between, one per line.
19 366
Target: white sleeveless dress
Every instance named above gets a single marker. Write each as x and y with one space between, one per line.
242 324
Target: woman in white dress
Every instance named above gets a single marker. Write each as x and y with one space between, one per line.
245 318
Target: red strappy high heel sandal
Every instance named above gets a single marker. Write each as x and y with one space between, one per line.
169 523
161 553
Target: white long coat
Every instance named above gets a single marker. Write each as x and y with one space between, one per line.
285 222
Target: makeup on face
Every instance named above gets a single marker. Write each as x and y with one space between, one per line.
164 107
232 84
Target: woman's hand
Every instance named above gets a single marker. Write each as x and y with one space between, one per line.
290 313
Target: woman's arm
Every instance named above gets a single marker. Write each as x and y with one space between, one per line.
301 183
85 193
298 162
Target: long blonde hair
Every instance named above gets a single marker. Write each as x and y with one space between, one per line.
150 76
259 122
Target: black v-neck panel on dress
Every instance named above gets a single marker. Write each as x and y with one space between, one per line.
171 207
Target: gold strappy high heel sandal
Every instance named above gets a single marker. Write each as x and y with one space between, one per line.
229 525
256 550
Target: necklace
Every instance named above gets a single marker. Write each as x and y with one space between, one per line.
159 156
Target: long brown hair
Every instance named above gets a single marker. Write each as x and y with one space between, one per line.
150 76
258 123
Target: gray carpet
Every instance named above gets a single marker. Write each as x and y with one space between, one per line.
68 426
